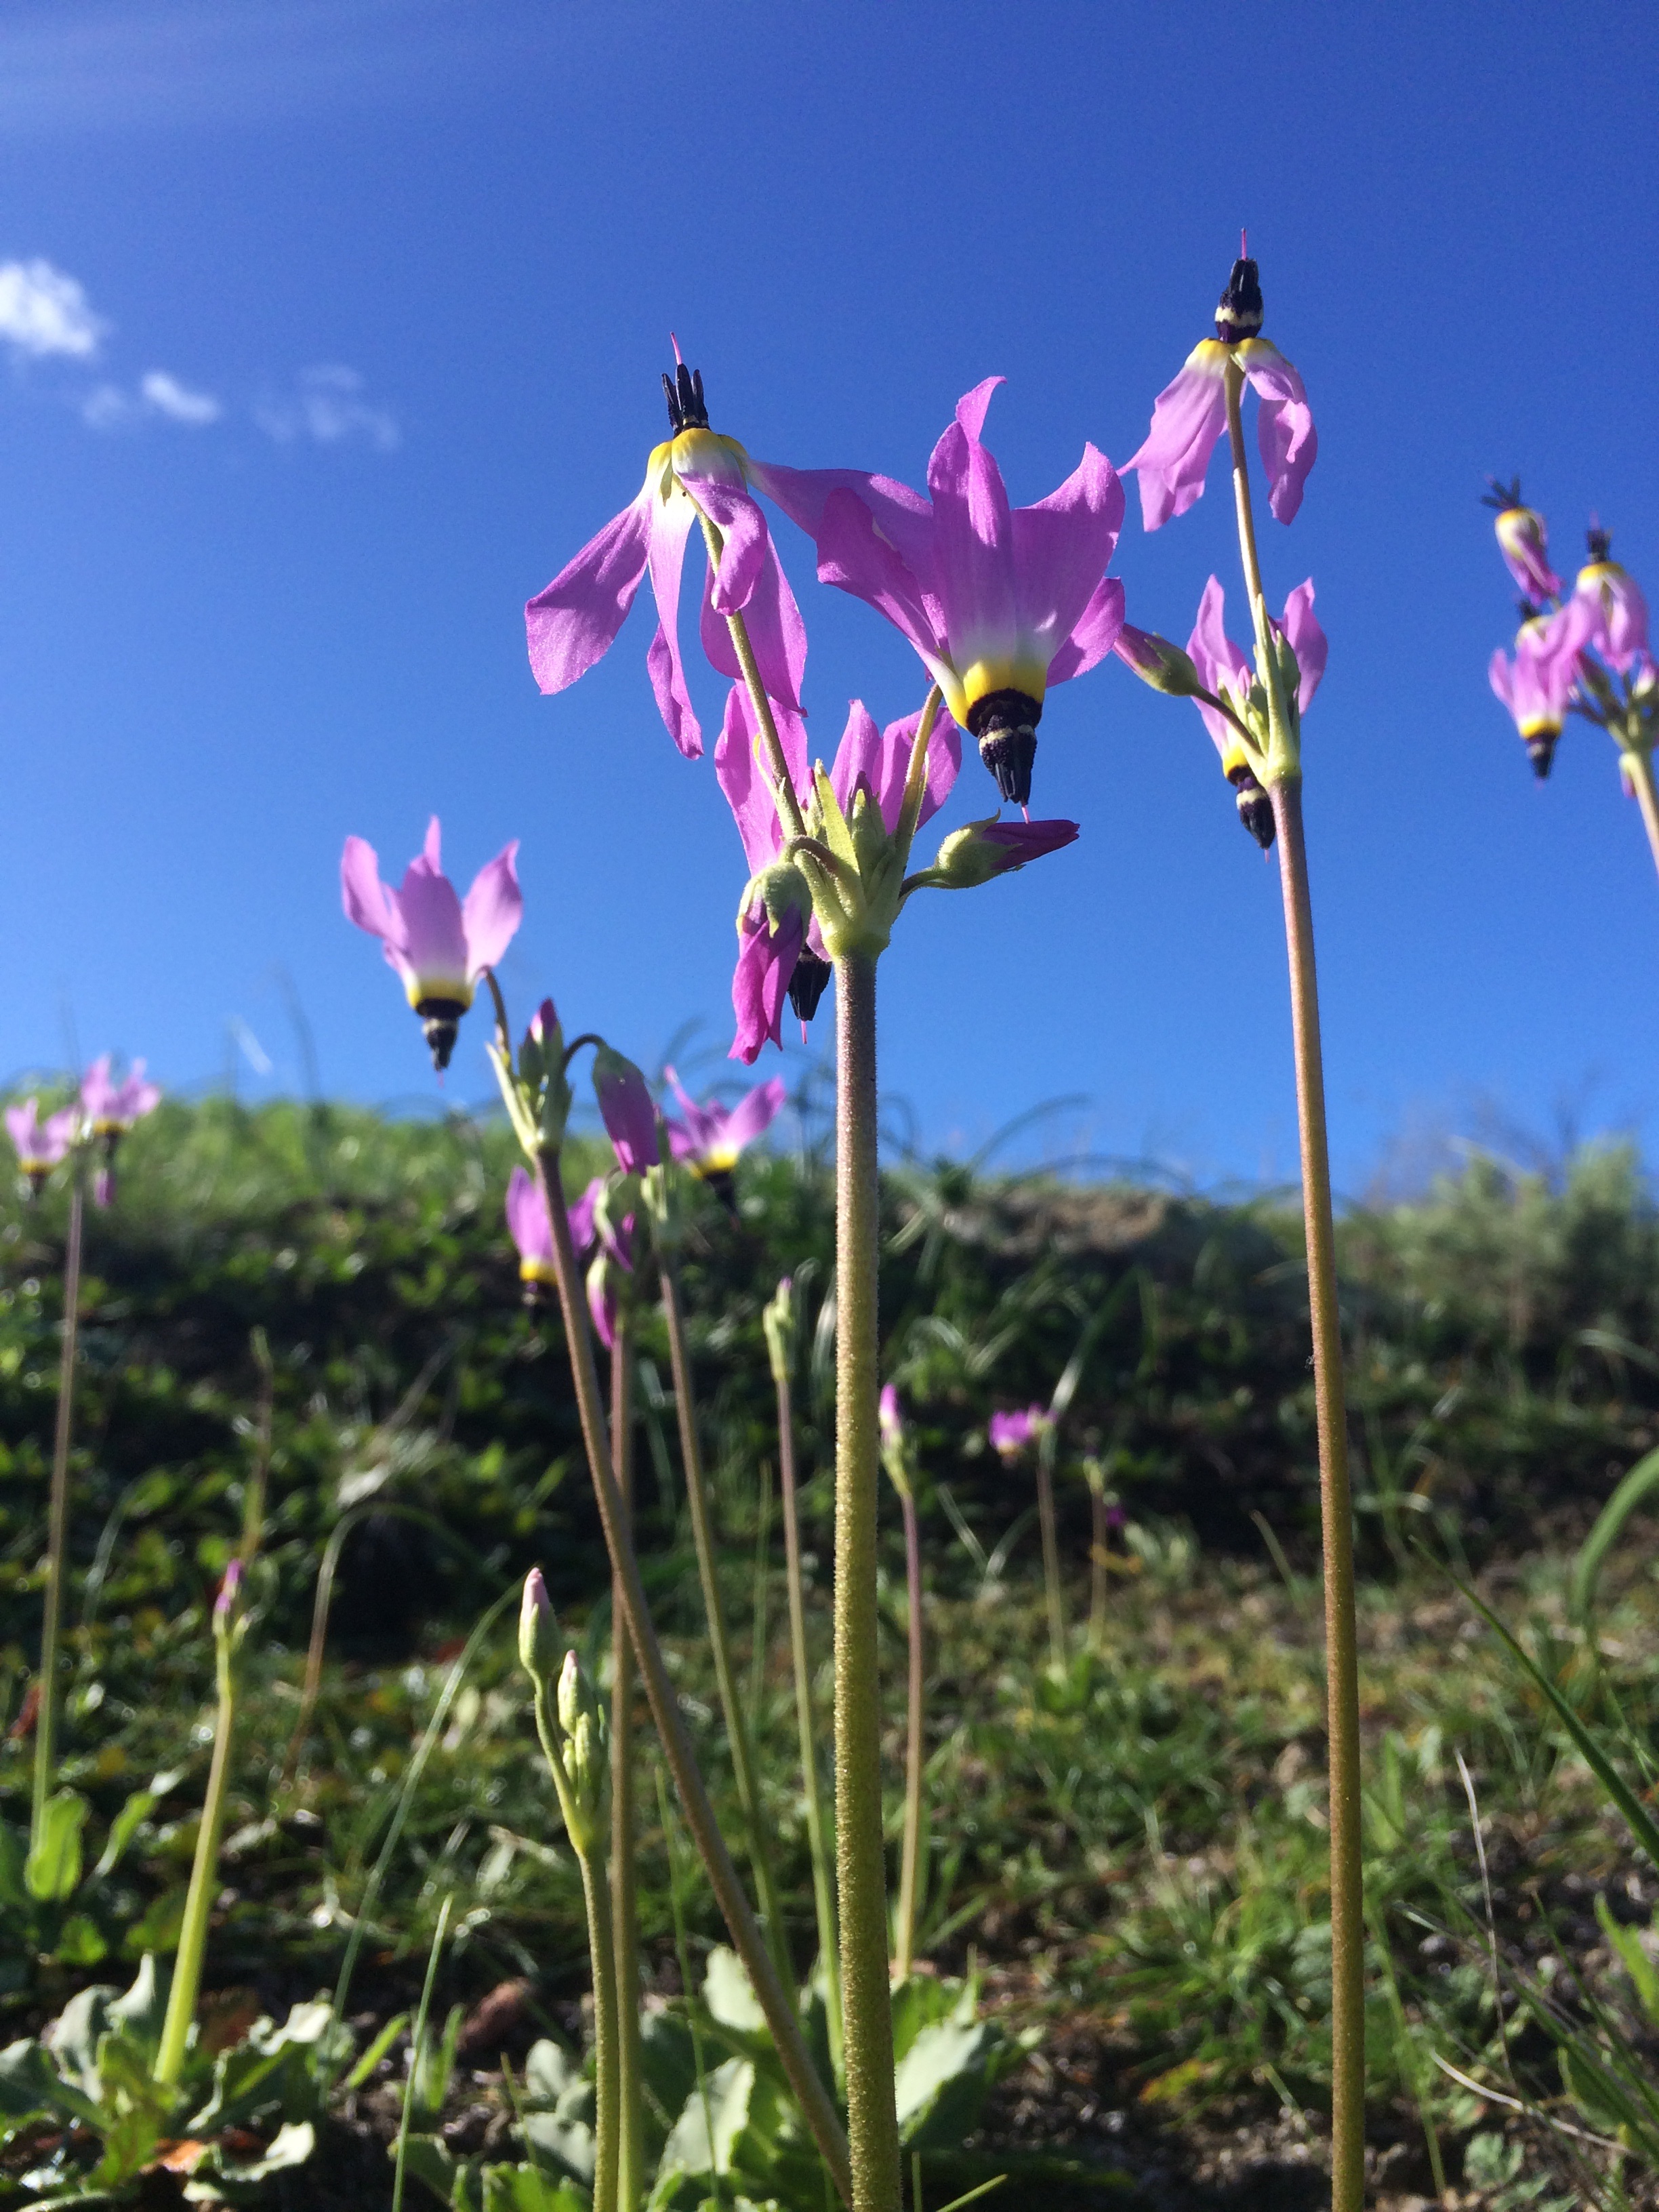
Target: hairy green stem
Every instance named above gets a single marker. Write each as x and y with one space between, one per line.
624 1901
909 1896
1341 1640
824 1898
45 1715
204 1880
732 1713
1639 767
602 1955
860 1859
770 1992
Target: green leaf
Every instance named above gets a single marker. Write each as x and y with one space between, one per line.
14 1850
435 2167
79 1942
524 2189
729 1995
1642 1479
53 1870
158 1929
376 2051
31 2085
137 1807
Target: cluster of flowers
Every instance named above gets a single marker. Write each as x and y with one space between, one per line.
1000 603
1582 652
98 1115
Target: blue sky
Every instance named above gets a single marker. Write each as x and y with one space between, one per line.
349 334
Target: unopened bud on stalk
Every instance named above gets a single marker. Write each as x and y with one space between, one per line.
778 1320
1159 663
626 1109
538 1635
224 1605
981 850
581 1724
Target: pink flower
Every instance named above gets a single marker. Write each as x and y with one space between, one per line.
531 1231
999 602
709 1137
694 473
1189 416
771 937
891 1416
1009 1434
439 945
229 1591
41 1145
1229 672
1614 616
612 1245
1523 541
111 1108
1537 684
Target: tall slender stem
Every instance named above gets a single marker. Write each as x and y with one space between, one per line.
1053 1595
873 2120
737 1725
1341 1647
794 821
204 1881
823 1901
624 1901
45 1716
1098 1554
602 1957
749 1944
1638 766
909 1897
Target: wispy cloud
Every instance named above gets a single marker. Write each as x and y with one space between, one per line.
110 407
328 408
43 312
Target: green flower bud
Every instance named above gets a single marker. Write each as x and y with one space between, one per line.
538 1634
1156 662
778 1320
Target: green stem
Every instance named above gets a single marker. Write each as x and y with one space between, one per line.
823 1899
1341 1639
732 1713
45 1718
1638 765
749 1944
909 1897
872 2119
204 1880
417 2052
1053 1595
1266 661
1097 1557
624 1902
602 1955
788 801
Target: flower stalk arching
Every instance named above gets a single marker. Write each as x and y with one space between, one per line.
778 1319
747 1939
1282 776
46 1709
229 1626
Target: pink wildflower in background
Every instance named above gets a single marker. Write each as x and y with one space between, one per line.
41 1145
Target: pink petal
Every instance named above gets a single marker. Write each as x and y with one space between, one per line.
1061 548
670 523
1307 640
903 516
760 982
367 900
974 549
1285 427
857 757
492 911
582 1231
776 632
744 776
1189 415
576 618
852 555
1093 634
943 764
733 509
755 1113
972 405
526 1218
431 942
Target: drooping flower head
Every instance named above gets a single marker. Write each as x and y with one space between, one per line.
598 1225
41 1145
108 1110
696 473
1523 541
1228 671
1189 416
1613 614
895 1439
439 944
1012 1434
708 1138
999 602
1537 684
532 1233
777 935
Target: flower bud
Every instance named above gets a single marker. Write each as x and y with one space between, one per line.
626 1109
782 890
230 1589
778 1320
1158 662
973 855
581 1724
538 1635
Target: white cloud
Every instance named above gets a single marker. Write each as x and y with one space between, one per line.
43 311
165 395
329 409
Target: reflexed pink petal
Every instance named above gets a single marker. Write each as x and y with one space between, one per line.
671 522
743 774
732 508
891 1417
1307 641
526 1218
903 516
433 944
571 623
972 406
365 897
776 633
760 982
1188 416
97 1092
1220 662
974 550
581 1214
1061 548
1285 425
492 910
1093 634
854 557
893 766
1523 541
857 757
755 1113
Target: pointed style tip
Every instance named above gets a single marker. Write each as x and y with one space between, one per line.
679 359
1243 243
